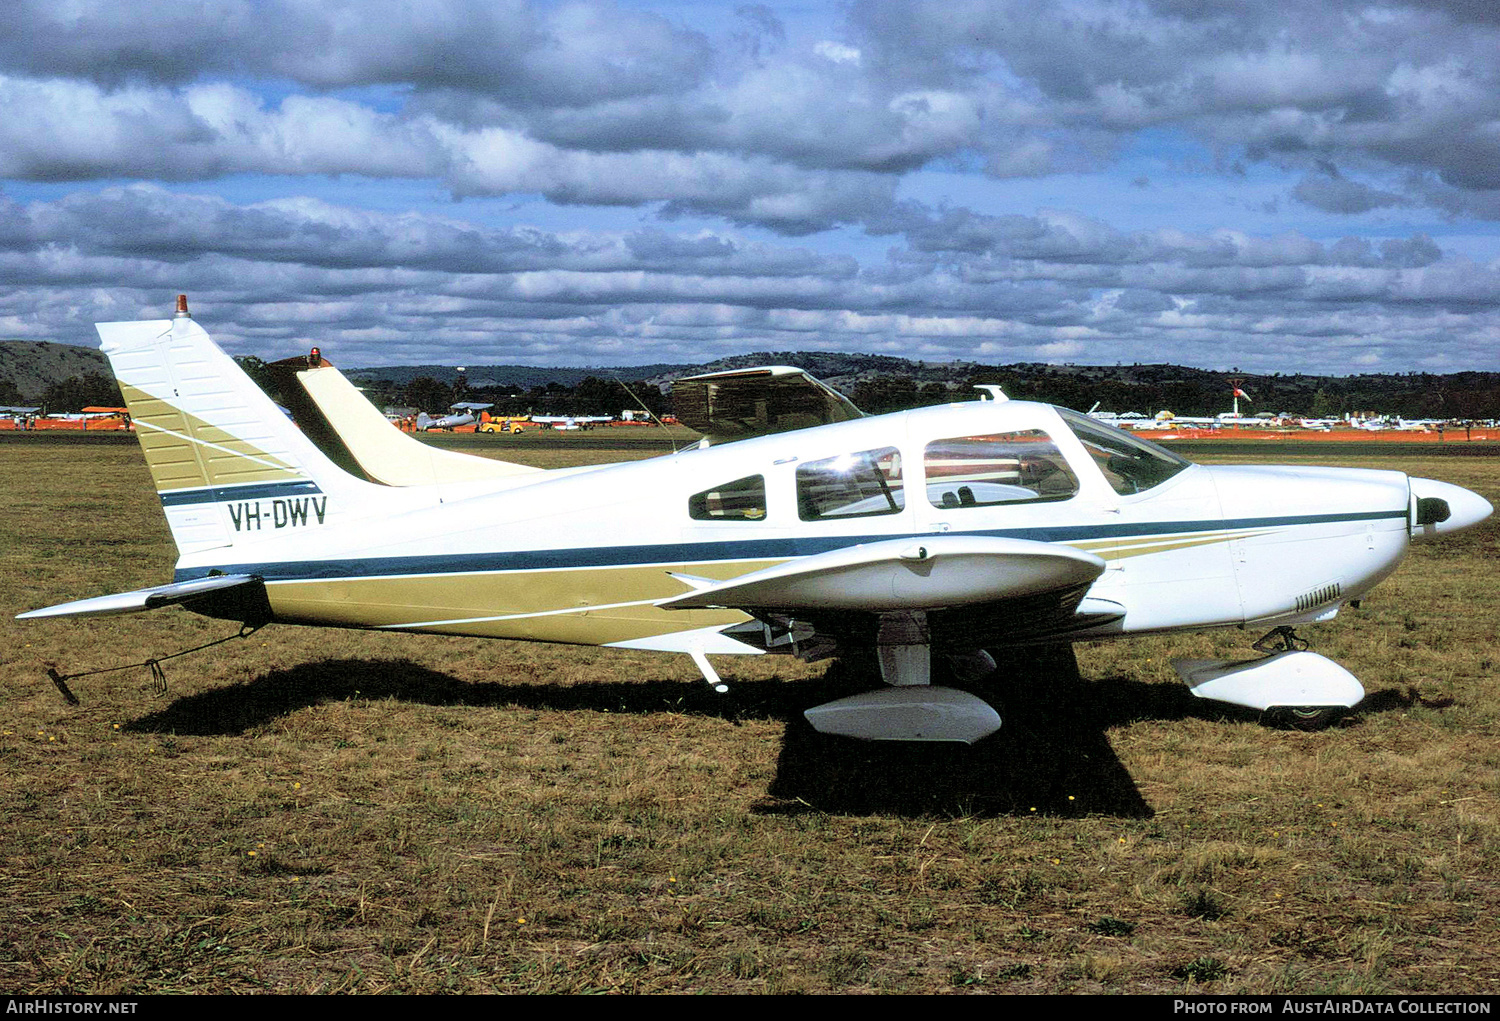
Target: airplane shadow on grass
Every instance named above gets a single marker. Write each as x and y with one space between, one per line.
1052 755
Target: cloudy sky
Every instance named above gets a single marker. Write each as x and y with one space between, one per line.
1259 184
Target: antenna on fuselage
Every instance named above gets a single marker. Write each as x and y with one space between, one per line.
648 411
994 391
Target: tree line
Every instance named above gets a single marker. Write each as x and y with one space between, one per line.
1143 388
592 396
90 390
1461 396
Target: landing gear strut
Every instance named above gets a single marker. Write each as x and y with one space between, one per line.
1280 639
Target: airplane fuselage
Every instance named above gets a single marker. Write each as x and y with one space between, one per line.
935 532
584 556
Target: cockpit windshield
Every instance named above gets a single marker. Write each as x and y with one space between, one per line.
1129 463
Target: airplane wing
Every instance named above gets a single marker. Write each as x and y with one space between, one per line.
753 402
907 599
199 592
971 590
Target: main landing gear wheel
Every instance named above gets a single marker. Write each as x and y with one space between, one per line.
1303 717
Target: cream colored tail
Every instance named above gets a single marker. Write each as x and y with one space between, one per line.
227 463
385 453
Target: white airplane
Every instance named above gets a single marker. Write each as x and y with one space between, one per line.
932 534
567 422
463 413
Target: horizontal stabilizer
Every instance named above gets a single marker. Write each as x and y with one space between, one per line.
930 573
144 599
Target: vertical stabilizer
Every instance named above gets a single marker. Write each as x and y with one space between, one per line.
226 462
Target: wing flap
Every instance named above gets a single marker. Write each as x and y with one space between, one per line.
144 599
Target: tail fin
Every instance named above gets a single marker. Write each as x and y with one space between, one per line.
212 437
382 452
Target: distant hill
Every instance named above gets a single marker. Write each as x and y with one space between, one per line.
879 383
518 377
31 366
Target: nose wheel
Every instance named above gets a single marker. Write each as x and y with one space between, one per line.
1292 688
1294 717
1302 717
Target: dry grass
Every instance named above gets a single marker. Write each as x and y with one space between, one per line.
339 811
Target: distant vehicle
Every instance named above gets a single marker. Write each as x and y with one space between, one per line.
507 425
925 538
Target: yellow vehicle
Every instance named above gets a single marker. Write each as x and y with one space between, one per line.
504 425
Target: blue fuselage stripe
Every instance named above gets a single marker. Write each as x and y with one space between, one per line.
604 557
224 494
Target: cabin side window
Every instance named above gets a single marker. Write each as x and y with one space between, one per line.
858 485
1129 463
741 500
999 468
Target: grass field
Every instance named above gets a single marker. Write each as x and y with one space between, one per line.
312 810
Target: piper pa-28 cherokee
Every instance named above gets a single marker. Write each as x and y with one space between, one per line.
805 527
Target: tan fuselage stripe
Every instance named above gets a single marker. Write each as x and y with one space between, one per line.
583 606
589 606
